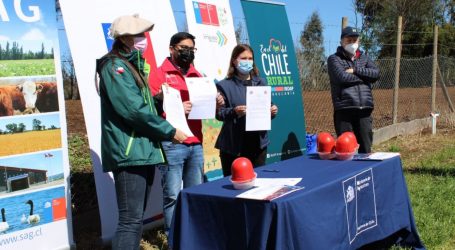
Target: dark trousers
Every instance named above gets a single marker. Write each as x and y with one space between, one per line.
257 158
358 121
132 185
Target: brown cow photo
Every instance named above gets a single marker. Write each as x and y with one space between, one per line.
28 97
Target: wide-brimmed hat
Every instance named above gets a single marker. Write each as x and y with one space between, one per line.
129 25
349 31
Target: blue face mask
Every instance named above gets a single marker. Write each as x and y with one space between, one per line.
245 66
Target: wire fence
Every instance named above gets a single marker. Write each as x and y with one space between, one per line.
414 94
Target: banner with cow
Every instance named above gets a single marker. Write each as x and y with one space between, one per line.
34 170
87 31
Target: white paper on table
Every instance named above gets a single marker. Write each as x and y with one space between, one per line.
202 93
173 106
268 192
258 100
378 156
261 182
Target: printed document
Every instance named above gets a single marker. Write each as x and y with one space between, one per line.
173 106
258 102
202 93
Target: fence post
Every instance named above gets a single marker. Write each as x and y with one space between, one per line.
344 22
397 72
435 68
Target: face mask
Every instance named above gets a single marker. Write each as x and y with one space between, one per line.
351 48
185 57
140 43
245 66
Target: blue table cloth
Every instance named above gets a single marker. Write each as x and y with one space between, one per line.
344 205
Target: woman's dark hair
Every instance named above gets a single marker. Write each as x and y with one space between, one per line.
239 49
119 46
180 36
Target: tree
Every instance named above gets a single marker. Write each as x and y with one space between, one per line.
36 124
12 127
311 55
21 127
379 25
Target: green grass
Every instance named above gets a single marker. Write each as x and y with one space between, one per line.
27 67
79 154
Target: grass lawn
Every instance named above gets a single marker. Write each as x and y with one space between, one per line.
429 168
27 67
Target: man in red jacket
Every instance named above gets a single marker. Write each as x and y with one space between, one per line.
186 160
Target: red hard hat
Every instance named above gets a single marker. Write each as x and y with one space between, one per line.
351 135
326 142
242 169
346 144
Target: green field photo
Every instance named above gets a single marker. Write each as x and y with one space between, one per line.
31 67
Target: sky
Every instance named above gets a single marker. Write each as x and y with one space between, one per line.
52 164
33 23
298 11
47 120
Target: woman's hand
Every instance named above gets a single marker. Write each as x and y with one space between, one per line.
274 110
179 136
219 100
240 110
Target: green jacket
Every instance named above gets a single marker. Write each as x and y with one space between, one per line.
131 128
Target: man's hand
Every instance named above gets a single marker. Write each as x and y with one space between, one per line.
274 110
240 110
179 136
159 95
350 70
187 107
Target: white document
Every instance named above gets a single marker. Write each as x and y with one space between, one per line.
261 182
173 106
378 156
202 93
258 100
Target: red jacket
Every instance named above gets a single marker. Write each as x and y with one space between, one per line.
168 73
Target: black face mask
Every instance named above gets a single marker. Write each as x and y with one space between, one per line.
184 57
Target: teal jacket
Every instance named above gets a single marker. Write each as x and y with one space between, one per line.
131 129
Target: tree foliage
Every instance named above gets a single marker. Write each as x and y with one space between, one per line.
311 56
379 26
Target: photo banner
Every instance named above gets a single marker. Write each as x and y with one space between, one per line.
211 22
35 199
87 24
274 54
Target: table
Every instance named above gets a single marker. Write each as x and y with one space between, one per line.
344 205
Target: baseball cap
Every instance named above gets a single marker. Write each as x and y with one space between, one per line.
349 31
129 25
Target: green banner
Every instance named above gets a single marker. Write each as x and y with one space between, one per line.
274 54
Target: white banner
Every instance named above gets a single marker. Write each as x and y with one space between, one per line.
86 24
211 22
35 199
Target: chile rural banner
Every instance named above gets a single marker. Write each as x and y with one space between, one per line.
87 32
270 37
35 200
210 21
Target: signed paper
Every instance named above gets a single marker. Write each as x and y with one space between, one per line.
202 93
172 105
258 101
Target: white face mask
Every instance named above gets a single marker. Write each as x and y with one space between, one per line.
140 43
351 48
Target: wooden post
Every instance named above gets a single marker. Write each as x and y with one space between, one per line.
344 22
435 68
397 72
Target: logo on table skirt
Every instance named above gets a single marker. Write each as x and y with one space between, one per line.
350 194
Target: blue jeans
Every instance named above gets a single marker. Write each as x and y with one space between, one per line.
185 162
132 186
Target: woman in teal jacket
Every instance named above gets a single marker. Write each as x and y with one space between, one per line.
131 128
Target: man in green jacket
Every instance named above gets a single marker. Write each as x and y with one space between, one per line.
131 128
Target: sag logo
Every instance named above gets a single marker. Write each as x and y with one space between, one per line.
107 36
350 194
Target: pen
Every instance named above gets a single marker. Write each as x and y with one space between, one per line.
271 170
